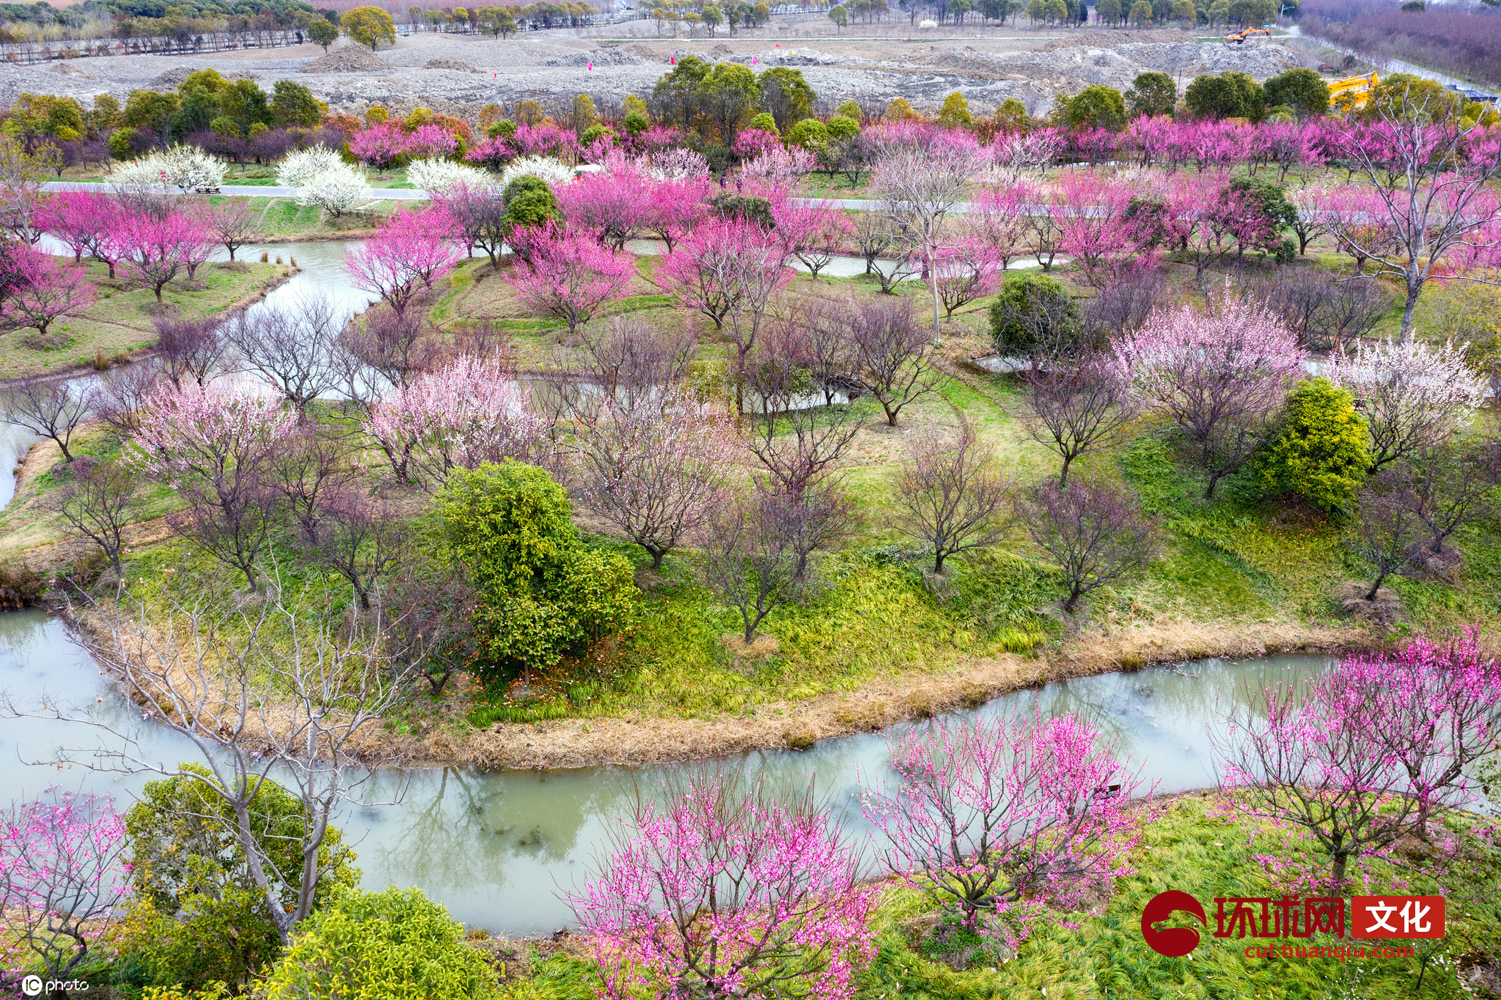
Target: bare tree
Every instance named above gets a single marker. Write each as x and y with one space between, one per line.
99 503
1093 531
797 443
893 359
273 687
950 494
357 536
190 349
655 467
233 224
292 347
756 555
480 213
381 349
52 409
308 467
1326 313
918 188
629 357
1389 527
433 631
1076 406
121 393
1445 487
1123 305
820 337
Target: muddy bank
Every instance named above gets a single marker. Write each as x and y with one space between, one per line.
643 739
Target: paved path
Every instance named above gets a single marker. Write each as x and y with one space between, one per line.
257 191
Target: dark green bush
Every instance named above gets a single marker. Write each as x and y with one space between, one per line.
1032 311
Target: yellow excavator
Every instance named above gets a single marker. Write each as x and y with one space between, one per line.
1353 92
1239 38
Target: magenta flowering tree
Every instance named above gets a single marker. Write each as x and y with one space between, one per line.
405 255
1096 229
1006 816
709 270
199 242
724 892
380 145
752 142
431 140
543 140
62 875
1370 751
1220 375
614 204
155 249
569 275
80 219
468 412
49 289
493 153
675 205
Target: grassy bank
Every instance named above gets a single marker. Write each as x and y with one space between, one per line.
120 320
1193 846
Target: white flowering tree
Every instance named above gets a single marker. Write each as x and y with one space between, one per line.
554 172
300 166
186 168
434 174
1414 394
336 189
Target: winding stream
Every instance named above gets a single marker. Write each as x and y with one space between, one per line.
495 846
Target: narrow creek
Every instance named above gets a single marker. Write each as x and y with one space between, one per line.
496 846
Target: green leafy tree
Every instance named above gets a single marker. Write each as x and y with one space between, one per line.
1141 13
765 123
391 945
842 127
245 104
1096 106
839 15
530 202
676 97
1318 449
1303 90
292 103
1183 12
195 914
785 95
712 16
321 31
1230 95
1151 94
955 112
544 595
1056 11
810 133
728 95
1108 11
369 26
1032 311
148 109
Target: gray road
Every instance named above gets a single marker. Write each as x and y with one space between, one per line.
255 191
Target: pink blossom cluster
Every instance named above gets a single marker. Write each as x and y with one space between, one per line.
409 251
567 274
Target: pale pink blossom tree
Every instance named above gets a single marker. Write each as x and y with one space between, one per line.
214 446
614 204
1220 375
1413 394
674 206
656 466
726 269
405 256
1006 816
51 289
725 892
62 875
968 268
1096 230
569 275
468 412
814 233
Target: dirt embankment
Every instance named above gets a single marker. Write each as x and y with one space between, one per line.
638 740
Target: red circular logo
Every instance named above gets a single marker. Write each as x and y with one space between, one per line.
1174 942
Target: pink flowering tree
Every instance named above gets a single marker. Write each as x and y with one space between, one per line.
493 153
431 140
613 204
156 249
1220 375
405 255
380 145
674 206
655 465
214 447
1369 752
80 219
49 289
569 275
62 875
814 233
1096 229
968 268
1005 817
703 272
724 892
468 412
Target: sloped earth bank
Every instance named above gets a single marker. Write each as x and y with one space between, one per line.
459 74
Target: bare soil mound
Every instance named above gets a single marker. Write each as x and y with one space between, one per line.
346 59
611 55
452 64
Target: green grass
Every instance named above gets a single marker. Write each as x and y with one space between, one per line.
1195 845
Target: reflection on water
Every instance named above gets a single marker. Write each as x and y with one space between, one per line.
495 846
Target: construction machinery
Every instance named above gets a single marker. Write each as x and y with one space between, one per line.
1239 37
1354 91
